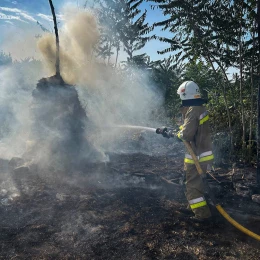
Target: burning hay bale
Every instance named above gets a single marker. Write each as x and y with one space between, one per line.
59 125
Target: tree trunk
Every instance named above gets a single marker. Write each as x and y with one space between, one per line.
117 54
258 95
258 132
250 143
241 99
57 65
109 54
240 49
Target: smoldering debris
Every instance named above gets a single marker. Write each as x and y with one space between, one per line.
64 221
59 121
256 198
59 126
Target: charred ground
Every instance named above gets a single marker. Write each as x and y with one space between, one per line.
128 208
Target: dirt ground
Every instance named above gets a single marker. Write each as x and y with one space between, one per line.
128 208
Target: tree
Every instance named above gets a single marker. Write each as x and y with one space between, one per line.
218 33
199 28
124 27
258 96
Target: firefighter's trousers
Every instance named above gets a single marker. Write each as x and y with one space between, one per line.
195 191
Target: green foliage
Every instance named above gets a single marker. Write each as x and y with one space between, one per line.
202 75
210 37
123 27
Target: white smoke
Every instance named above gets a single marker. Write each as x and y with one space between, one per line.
16 84
110 96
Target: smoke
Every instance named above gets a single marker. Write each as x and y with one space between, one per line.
78 37
110 95
16 84
20 40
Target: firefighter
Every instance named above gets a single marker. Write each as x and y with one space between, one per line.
195 130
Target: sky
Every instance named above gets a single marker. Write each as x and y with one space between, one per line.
19 28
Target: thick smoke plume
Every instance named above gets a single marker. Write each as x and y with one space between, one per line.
79 35
111 96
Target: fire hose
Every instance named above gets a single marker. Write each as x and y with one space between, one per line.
212 197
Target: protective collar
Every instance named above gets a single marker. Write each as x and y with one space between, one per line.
193 102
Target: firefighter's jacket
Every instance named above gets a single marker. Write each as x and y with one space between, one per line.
196 130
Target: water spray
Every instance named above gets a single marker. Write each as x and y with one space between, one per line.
150 129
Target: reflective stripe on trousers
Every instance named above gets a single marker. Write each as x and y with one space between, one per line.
197 203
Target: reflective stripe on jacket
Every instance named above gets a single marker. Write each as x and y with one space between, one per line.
196 130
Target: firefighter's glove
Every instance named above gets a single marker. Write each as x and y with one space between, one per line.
178 136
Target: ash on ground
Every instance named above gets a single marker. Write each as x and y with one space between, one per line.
122 209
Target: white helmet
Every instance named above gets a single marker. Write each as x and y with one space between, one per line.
189 90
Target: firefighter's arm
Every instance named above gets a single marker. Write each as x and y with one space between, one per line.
189 128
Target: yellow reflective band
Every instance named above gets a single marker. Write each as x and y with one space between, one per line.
198 205
204 119
179 134
181 127
203 159
206 158
187 160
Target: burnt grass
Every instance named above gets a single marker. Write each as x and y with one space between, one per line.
123 209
